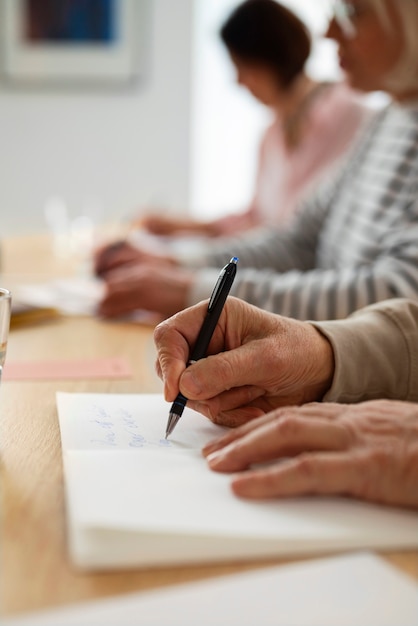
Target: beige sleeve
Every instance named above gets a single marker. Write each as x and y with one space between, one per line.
376 353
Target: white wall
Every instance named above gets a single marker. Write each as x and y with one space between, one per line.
226 121
121 147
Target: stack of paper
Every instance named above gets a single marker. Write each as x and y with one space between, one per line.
70 296
28 314
75 296
135 499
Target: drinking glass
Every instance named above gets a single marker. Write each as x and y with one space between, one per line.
5 309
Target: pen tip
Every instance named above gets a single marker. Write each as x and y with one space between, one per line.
173 418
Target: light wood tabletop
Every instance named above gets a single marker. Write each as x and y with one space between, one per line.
36 572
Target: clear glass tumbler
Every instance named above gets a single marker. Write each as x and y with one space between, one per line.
5 310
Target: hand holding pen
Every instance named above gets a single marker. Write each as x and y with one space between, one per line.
215 306
258 362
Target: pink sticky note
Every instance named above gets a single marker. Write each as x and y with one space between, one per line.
111 367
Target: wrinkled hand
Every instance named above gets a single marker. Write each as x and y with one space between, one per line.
257 361
225 226
122 253
161 289
368 451
165 226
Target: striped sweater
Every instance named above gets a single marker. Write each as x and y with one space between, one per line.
352 244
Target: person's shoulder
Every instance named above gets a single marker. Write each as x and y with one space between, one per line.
338 99
339 113
340 95
407 109
272 136
402 115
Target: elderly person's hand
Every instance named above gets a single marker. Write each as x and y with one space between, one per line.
145 286
122 253
257 361
367 450
167 226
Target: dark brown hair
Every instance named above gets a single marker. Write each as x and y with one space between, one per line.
267 33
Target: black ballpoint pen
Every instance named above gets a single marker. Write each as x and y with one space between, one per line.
215 306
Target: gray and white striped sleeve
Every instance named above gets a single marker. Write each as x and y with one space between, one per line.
306 292
353 244
264 253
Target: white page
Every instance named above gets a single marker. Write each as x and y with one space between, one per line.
72 296
109 489
90 421
78 295
122 475
106 424
356 590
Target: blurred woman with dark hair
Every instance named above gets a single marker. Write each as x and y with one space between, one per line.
314 123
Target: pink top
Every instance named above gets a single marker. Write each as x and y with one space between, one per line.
285 175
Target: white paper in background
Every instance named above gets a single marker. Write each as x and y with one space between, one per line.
71 296
74 296
356 590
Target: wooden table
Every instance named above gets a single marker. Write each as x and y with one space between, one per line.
36 573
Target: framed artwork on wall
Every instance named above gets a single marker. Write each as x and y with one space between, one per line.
72 42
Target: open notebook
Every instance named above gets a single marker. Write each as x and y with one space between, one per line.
135 499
